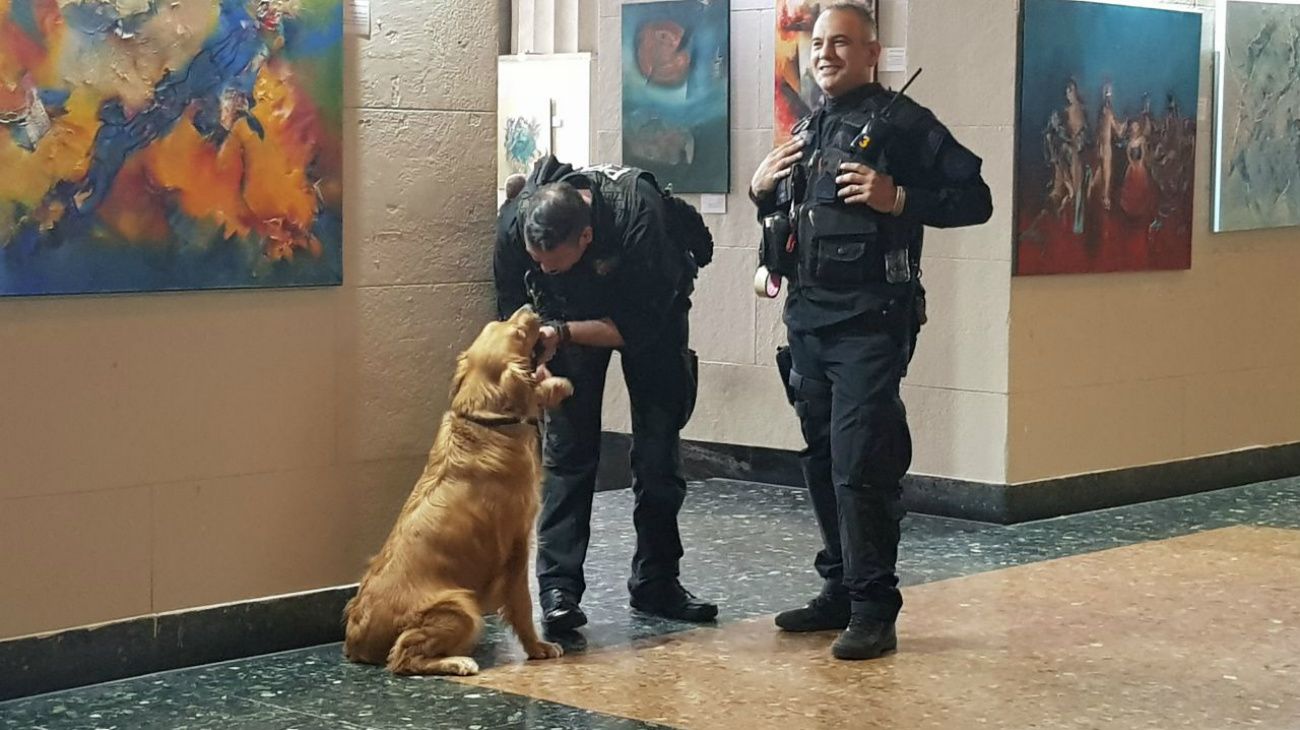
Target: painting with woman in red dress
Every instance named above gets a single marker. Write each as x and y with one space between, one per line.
1106 188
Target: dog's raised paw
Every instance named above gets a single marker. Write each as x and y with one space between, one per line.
545 650
554 390
563 389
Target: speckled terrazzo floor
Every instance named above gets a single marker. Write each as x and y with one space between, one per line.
1013 611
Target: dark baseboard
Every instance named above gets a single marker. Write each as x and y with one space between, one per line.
701 461
130 648
1102 490
984 502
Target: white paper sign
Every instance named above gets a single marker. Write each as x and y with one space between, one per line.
713 203
358 18
895 59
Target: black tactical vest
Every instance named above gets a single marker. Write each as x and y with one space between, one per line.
846 246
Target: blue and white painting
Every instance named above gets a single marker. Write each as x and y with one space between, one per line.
523 136
676 60
1258 147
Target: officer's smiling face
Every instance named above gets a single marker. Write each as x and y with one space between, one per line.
563 257
844 50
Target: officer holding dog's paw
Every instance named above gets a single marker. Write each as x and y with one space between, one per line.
609 260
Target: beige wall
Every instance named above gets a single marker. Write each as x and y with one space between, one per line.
1125 370
166 451
957 391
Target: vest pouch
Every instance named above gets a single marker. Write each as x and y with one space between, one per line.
840 260
778 255
845 249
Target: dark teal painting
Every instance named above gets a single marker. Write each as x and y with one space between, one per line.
676 60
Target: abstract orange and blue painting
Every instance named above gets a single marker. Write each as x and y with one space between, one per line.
151 145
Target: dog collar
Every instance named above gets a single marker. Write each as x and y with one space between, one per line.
491 421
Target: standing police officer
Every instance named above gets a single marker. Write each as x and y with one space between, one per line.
854 209
609 262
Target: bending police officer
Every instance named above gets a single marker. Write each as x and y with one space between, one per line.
609 262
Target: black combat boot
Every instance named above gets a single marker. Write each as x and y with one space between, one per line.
823 613
866 637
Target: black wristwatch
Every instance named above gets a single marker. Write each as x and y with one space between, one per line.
562 329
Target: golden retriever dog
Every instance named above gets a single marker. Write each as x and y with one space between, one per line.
461 546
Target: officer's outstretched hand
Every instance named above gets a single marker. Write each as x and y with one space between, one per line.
861 185
778 164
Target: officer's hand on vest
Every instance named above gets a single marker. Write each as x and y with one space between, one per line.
861 185
778 164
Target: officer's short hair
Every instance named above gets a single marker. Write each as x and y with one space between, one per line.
858 9
555 215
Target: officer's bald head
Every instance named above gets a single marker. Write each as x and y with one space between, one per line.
844 48
859 11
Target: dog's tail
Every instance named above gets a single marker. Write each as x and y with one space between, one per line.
356 617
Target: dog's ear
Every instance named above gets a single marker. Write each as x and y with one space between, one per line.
516 378
462 371
517 383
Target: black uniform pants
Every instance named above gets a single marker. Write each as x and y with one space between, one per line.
845 384
661 386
